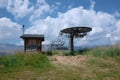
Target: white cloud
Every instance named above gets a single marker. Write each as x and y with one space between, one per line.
49 27
116 33
3 3
92 4
19 8
22 8
40 8
9 30
100 22
118 26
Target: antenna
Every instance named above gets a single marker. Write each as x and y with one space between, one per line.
23 28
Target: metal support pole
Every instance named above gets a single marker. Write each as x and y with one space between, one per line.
71 46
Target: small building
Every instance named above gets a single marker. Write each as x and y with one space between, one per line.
32 42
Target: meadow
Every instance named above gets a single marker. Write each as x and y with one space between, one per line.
100 63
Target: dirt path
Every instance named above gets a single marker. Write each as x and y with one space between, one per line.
70 60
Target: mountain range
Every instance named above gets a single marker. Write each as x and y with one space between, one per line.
9 48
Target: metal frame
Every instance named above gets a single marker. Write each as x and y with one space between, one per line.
74 32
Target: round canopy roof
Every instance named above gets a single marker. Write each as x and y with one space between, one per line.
76 30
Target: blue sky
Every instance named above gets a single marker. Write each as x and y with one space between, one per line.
48 17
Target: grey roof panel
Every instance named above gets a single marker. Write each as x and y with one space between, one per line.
32 36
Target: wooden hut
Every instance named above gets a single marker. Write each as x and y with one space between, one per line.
32 42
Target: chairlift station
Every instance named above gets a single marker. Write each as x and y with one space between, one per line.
75 32
34 41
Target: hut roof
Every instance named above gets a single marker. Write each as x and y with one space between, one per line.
34 36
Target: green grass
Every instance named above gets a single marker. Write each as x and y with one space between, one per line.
101 63
16 62
113 52
104 69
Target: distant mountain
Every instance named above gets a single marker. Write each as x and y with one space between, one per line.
9 48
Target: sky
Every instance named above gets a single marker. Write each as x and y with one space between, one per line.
48 17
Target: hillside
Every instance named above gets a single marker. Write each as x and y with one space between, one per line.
101 63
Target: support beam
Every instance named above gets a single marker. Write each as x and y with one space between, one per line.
71 44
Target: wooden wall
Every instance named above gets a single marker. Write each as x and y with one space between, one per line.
32 42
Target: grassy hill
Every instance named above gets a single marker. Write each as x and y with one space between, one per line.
101 63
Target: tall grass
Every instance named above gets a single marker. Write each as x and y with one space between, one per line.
12 60
37 61
18 61
113 52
